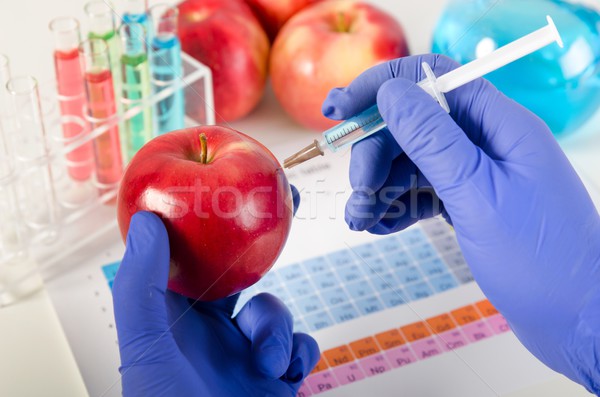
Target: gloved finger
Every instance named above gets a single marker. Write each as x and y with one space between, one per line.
428 135
371 160
305 355
268 324
139 293
366 207
408 209
226 305
361 93
295 198
342 103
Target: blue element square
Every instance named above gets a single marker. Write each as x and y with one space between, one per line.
300 288
394 298
446 244
309 304
422 252
399 259
455 259
268 282
341 258
365 251
434 267
369 305
344 313
294 310
360 289
324 280
418 291
300 326
443 283
291 272
376 266
110 270
463 275
412 236
317 321
280 292
384 282
334 297
350 273
436 228
388 244
316 265
408 275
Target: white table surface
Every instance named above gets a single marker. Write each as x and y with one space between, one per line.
35 358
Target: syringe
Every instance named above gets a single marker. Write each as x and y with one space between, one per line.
370 121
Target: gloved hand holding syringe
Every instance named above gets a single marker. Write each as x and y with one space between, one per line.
370 121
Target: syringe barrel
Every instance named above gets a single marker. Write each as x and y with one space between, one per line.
354 129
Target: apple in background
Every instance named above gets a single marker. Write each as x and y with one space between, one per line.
327 45
273 14
225 202
226 36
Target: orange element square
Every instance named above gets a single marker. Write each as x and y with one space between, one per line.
486 308
390 339
364 347
415 331
465 315
338 356
441 323
321 366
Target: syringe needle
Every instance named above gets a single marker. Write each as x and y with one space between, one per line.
309 152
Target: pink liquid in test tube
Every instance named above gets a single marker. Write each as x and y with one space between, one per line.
102 110
71 93
107 146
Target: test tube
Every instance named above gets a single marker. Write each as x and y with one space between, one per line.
167 68
71 95
101 18
137 11
10 226
136 87
4 77
102 113
30 148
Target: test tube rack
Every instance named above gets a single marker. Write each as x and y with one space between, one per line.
83 212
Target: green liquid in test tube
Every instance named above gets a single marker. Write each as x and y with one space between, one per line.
101 18
136 86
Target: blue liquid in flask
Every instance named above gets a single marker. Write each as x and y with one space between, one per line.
561 85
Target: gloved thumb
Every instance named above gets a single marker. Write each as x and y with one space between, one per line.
139 294
427 134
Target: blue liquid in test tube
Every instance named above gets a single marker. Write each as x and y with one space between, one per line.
136 11
167 69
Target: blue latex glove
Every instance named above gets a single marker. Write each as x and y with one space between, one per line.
524 221
170 346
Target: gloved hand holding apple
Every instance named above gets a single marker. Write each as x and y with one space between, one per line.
225 202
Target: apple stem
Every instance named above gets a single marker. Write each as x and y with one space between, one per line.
203 149
342 24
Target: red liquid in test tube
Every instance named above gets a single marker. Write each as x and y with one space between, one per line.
107 146
72 103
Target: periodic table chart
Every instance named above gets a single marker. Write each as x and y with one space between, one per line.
393 315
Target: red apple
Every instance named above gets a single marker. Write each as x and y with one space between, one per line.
226 36
273 14
327 45
224 200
